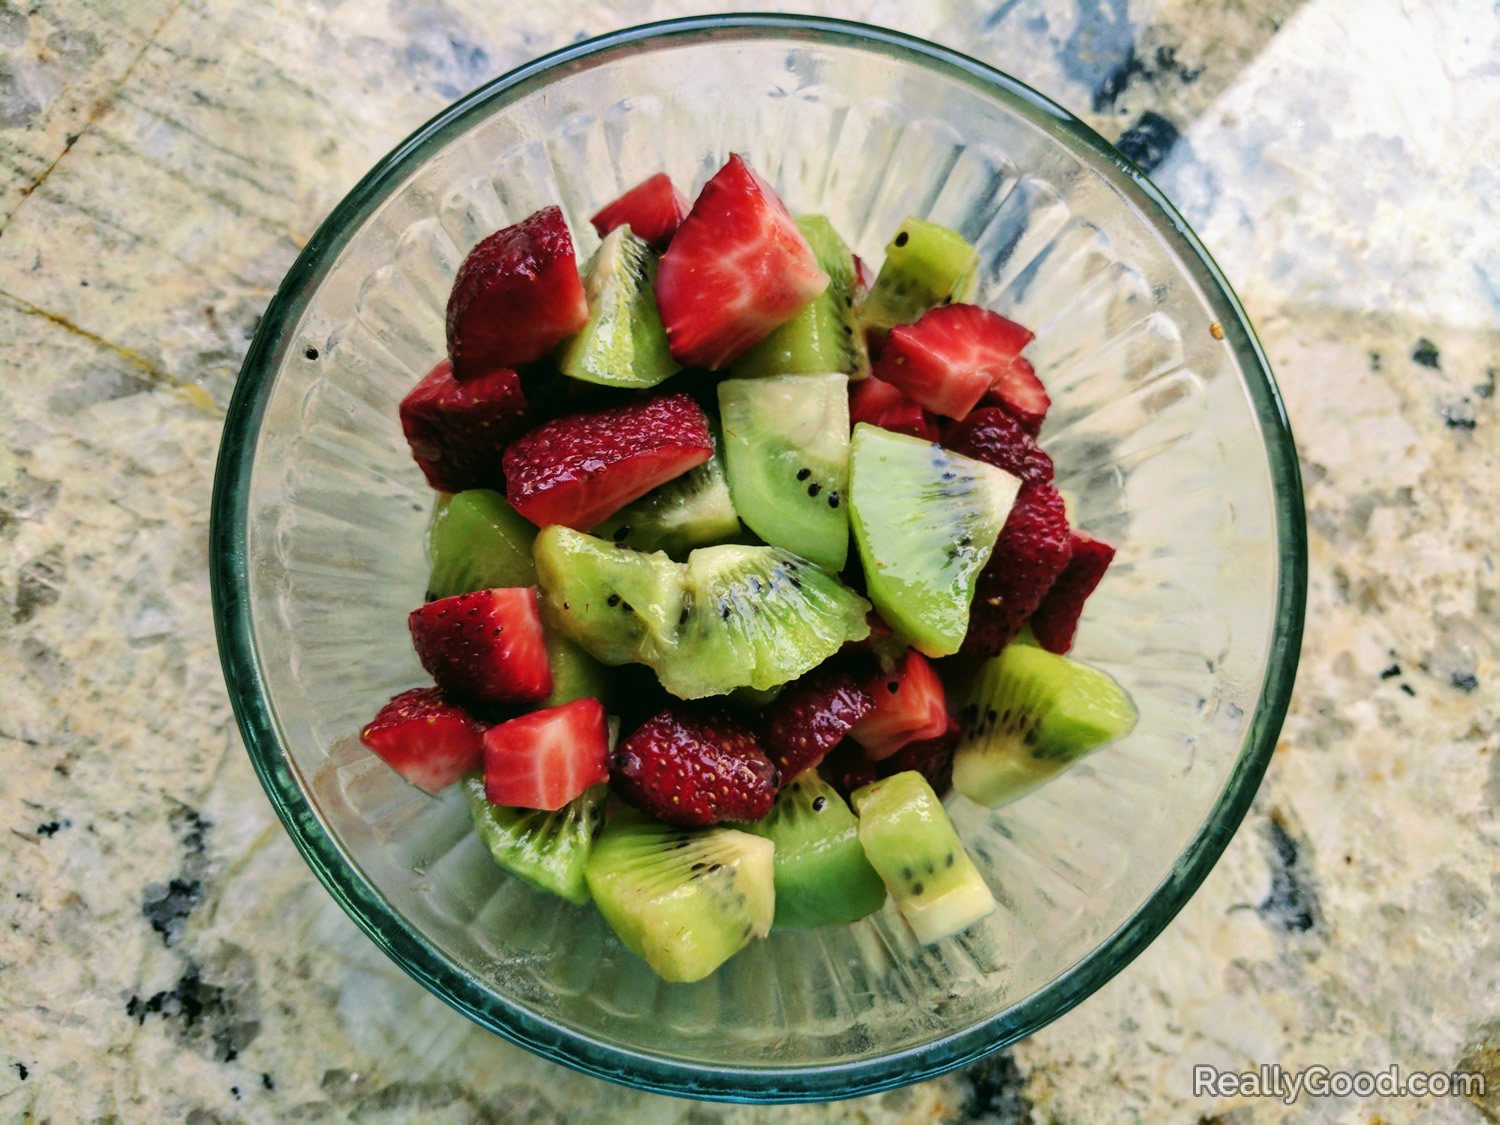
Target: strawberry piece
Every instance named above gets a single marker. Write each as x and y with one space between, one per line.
952 357
811 717
931 757
864 280
737 268
580 469
1021 394
910 706
426 738
546 758
1056 618
695 767
846 768
879 403
993 436
457 430
653 210
1033 548
485 647
516 297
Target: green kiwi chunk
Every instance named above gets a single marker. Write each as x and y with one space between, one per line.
1029 714
549 850
925 265
693 510
620 606
575 674
685 900
623 344
822 875
925 522
476 541
786 446
910 841
757 617
827 334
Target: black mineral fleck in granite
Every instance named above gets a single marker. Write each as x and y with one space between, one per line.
1291 906
53 827
267 1082
1147 142
1465 682
997 1092
167 907
200 1013
1460 416
1411 691
1426 353
22 1071
1393 671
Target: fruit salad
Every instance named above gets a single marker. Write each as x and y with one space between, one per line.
742 561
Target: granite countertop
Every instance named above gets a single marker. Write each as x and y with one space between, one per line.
165 953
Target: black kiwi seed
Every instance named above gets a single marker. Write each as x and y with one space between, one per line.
833 499
916 888
612 600
949 861
950 475
814 488
902 239
803 474
725 612
819 804
699 866
906 873
715 867
683 616
626 607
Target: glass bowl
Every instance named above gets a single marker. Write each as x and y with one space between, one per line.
1170 442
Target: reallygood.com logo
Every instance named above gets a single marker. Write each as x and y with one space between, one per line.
1272 1080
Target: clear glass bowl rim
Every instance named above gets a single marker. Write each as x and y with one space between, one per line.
229 579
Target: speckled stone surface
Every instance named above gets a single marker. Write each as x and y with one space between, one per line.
164 952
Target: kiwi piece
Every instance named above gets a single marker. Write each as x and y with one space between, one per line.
685 900
925 265
693 510
911 843
620 606
827 334
623 344
925 522
786 446
756 617
546 849
476 541
575 674
1029 714
822 875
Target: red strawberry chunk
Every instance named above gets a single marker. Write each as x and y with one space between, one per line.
578 470
485 647
1056 619
879 403
737 268
1033 548
516 297
457 430
950 358
426 738
546 758
931 757
811 717
695 767
1020 393
910 706
653 210
991 435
